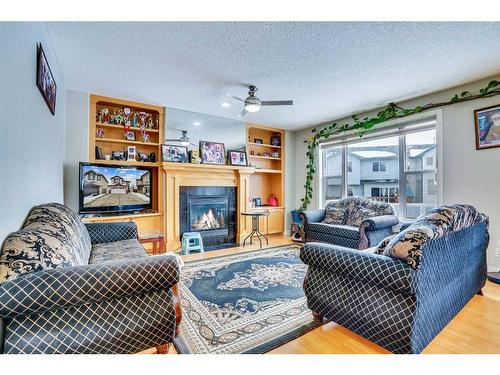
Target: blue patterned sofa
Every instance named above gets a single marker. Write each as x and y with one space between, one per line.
403 292
356 222
66 287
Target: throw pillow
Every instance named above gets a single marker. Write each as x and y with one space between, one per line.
334 216
32 250
358 216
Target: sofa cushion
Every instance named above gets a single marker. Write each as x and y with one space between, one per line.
357 217
335 230
334 215
56 218
118 250
436 223
32 250
52 236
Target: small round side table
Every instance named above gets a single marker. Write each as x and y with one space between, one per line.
255 226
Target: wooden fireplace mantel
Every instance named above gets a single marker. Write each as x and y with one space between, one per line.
184 174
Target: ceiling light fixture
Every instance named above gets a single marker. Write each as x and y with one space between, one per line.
197 123
225 105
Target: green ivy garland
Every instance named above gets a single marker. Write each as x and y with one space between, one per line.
391 112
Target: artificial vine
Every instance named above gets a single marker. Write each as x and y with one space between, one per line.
359 127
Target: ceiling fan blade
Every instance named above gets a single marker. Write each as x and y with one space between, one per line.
235 97
172 140
276 102
192 144
244 112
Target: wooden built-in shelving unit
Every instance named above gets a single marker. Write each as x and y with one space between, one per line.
114 139
268 177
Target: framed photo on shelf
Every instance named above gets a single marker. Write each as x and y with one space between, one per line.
258 141
275 140
487 127
212 153
174 153
130 135
45 80
237 158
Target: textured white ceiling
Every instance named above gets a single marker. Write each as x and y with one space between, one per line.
328 69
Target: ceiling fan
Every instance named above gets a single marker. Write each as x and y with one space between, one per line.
183 140
253 103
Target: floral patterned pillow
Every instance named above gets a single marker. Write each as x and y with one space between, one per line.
359 215
334 216
32 250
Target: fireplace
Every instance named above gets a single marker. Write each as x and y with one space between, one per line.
211 211
207 213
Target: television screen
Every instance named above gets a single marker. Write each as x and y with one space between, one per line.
112 188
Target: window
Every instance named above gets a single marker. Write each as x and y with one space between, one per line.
378 166
98 178
398 168
332 173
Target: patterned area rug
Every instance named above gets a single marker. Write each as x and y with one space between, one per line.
243 303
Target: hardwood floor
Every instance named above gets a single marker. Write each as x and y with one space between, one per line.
476 329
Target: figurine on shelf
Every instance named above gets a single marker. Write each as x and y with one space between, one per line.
156 125
134 120
126 115
105 115
150 123
145 137
100 133
98 115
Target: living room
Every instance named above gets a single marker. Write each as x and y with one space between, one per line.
271 194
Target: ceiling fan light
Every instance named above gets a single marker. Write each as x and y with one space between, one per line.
185 143
252 107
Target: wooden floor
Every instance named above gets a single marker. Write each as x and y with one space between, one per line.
476 329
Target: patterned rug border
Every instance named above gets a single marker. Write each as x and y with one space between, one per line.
183 348
180 343
241 253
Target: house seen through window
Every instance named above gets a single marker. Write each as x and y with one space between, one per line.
377 170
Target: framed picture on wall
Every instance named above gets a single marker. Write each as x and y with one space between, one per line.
487 127
45 80
237 158
212 153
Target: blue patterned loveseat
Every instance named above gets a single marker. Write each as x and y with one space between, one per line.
66 287
356 222
403 292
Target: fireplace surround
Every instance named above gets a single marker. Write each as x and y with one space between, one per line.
211 211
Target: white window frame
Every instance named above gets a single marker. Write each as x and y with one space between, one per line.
435 116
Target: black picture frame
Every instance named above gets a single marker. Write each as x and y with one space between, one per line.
275 140
258 141
45 80
239 154
486 122
180 155
210 158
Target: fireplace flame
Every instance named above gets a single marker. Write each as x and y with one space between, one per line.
208 221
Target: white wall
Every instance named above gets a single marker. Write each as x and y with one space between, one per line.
469 176
77 141
289 178
31 138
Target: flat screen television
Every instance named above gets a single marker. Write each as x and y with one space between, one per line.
114 188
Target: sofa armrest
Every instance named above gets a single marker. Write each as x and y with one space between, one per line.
359 265
312 216
74 286
379 222
111 232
